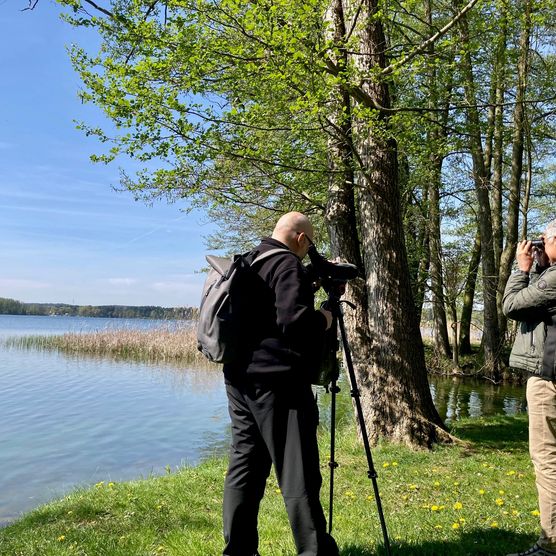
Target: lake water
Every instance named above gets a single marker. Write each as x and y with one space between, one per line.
75 421
67 422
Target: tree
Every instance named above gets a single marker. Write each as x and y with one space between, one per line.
238 104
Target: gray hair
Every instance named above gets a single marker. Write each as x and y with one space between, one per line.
550 229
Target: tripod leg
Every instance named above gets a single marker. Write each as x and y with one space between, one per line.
372 474
332 463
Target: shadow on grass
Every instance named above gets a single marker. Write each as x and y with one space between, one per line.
476 542
498 433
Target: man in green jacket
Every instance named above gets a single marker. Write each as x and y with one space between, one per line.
530 298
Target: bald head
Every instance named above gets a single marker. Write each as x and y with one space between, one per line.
295 230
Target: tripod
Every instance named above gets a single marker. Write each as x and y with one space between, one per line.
333 305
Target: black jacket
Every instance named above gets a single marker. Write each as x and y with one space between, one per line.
285 331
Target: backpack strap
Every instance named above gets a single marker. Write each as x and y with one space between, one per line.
268 254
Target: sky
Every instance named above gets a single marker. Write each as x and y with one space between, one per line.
65 235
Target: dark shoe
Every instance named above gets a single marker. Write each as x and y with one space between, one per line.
328 546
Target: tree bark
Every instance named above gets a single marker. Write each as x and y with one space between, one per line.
391 368
491 335
499 82
436 137
469 297
518 146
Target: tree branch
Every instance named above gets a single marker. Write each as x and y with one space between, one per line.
425 44
97 7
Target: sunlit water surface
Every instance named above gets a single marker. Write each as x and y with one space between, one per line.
67 422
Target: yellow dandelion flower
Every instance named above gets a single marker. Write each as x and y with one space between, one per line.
385 465
435 508
438 527
499 502
510 473
515 512
278 491
436 484
494 524
395 464
100 485
412 487
456 483
111 485
481 491
535 513
456 525
61 538
458 506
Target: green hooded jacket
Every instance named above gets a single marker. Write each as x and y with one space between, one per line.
531 300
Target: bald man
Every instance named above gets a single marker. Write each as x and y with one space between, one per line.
272 408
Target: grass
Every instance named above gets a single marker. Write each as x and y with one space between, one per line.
477 498
161 344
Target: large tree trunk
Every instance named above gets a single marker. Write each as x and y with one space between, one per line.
340 213
436 137
390 368
499 86
512 230
491 335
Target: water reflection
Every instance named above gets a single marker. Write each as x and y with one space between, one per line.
69 421
456 398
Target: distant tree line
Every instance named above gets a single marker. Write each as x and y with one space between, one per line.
14 307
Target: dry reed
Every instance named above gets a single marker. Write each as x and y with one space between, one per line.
161 344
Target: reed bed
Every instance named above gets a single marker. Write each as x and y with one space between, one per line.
156 345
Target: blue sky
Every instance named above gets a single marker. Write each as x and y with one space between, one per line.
65 234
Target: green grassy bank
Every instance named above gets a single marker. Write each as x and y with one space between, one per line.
472 499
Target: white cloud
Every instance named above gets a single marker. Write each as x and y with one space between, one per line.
122 281
186 286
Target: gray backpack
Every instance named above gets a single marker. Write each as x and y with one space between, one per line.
220 329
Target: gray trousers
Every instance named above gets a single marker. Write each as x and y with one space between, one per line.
273 424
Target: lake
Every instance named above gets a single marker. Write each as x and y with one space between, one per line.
69 421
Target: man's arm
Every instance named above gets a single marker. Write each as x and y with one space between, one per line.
527 297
